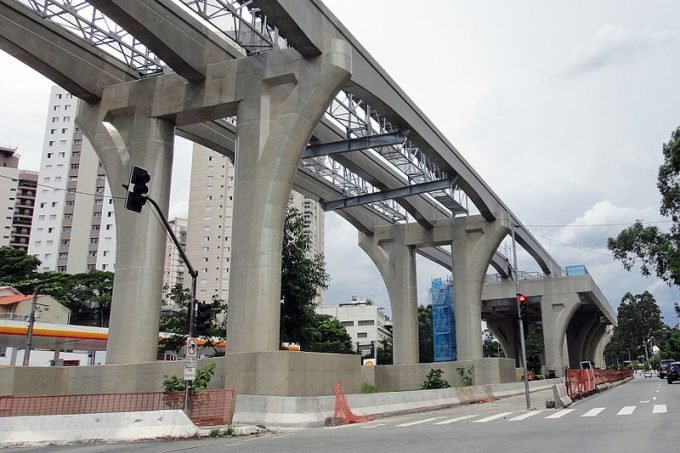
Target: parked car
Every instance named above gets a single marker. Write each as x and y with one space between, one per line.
663 366
673 372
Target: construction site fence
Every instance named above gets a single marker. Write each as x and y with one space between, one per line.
580 383
210 407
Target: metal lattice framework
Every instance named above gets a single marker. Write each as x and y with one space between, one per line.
242 22
239 20
88 23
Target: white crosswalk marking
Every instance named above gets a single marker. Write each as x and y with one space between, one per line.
525 416
627 410
659 409
493 417
377 425
593 412
418 422
454 420
561 413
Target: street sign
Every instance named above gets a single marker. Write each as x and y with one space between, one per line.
191 353
189 374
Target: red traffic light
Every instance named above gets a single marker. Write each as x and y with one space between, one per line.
521 298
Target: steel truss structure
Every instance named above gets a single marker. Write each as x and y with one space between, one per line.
244 23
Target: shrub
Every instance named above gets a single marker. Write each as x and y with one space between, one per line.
203 376
434 380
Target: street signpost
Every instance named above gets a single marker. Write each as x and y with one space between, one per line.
191 358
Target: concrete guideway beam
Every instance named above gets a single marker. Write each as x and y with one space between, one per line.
171 33
42 45
123 138
397 265
284 100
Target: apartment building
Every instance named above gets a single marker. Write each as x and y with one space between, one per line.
73 220
16 210
174 270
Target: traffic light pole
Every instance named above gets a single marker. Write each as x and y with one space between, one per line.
519 319
192 305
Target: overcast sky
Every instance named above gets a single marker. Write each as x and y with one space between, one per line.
561 106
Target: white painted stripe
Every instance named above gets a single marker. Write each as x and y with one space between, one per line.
646 401
525 416
654 398
561 413
627 410
493 417
659 409
454 420
377 425
594 412
418 422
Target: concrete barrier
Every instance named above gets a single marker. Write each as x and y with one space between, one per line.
302 412
560 396
110 427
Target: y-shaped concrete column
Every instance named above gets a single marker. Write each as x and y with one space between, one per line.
122 138
505 331
475 241
557 310
397 265
598 354
276 117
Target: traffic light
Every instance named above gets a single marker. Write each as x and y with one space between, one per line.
203 318
137 189
522 299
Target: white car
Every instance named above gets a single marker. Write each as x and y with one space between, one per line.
648 374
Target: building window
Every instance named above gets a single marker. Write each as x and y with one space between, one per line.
92 253
369 322
61 268
347 323
90 267
362 335
94 240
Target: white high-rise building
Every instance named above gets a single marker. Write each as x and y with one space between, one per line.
209 229
73 222
174 270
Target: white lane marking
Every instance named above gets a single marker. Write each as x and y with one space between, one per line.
377 425
646 401
454 420
659 409
657 390
561 413
525 416
593 412
654 398
418 422
627 410
493 417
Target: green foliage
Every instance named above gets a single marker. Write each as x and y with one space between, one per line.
15 265
327 334
203 377
639 319
177 323
87 295
466 375
434 380
657 252
490 346
534 350
369 388
384 353
302 277
425 335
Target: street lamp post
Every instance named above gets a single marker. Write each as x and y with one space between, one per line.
520 320
31 322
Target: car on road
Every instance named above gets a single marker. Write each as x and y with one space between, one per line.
663 366
648 374
673 372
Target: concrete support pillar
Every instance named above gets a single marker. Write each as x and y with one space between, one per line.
276 117
590 350
505 331
475 241
124 137
397 265
557 310
578 334
598 355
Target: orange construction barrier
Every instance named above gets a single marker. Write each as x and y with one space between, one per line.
580 383
342 410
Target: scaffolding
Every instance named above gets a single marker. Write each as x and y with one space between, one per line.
443 320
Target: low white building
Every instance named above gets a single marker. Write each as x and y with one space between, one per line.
366 324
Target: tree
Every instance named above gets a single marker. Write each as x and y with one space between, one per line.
657 252
639 319
425 335
15 264
490 346
327 334
177 323
302 276
534 349
384 353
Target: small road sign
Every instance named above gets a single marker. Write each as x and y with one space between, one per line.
191 353
189 374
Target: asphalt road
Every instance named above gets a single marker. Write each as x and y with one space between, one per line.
639 416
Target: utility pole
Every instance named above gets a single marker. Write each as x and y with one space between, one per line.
519 319
31 322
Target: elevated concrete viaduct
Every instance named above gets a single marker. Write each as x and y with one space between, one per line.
186 79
